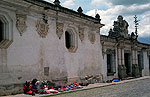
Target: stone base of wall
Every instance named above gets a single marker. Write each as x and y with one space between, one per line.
135 70
11 89
91 79
145 72
18 88
121 71
60 81
74 79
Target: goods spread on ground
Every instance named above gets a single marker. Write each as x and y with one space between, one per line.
47 87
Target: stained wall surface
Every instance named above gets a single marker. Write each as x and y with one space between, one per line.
47 58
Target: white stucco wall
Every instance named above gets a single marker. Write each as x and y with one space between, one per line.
29 54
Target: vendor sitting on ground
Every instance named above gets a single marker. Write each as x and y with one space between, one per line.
27 88
34 86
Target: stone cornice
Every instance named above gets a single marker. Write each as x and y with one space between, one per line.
36 8
61 9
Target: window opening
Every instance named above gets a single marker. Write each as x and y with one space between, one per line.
68 39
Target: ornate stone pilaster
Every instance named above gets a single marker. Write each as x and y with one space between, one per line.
133 57
59 29
81 33
119 56
42 28
121 66
135 66
133 62
136 57
122 57
21 23
91 37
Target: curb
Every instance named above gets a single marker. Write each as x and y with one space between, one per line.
98 86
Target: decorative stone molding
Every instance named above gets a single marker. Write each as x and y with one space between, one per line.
4 44
73 40
59 29
110 51
21 23
42 28
7 30
91 37
81 33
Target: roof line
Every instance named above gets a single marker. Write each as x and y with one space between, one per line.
48 5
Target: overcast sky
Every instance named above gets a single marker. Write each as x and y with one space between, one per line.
110 9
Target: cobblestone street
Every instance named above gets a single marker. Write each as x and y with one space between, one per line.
140 88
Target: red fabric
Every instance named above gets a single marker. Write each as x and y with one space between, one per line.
30 92
50 87
75 83
27 88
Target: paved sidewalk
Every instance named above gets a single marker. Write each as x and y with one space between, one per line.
90 86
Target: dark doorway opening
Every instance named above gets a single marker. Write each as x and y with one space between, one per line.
109 63
127 63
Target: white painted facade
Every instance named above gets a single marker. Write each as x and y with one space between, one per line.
29 53
120 49
35 47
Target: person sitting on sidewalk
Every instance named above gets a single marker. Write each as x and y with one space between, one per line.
27 88
34 86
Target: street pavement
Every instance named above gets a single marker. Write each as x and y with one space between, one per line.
139 87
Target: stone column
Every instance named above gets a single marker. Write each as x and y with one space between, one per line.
135 67
119 56
133 57
116 63
121 66
136 57
122 55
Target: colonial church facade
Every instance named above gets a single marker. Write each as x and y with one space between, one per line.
49 42
124 56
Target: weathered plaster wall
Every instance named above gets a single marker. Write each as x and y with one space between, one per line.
27 56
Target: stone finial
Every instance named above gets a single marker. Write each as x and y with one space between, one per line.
97 16
120 17
80 10
57 2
